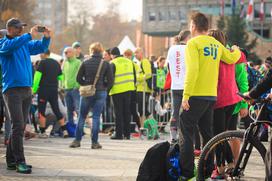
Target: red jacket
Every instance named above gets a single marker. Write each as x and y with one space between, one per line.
227 88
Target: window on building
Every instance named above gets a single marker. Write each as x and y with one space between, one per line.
172 14
182 14
265 32
256 10
162 15
268 7
152 16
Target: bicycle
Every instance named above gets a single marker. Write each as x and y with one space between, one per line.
249 141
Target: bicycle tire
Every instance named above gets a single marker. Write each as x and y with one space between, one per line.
220 138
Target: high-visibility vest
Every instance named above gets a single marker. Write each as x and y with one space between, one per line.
124 76
145 73
161 76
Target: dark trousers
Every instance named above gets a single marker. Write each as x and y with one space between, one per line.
18 101
122 113
201 114
72 98
140 101
107 111
197 139
133 109
221 122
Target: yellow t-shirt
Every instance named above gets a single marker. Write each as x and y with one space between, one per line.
203 55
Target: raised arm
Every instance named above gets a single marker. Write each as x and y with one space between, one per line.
9 45
38 46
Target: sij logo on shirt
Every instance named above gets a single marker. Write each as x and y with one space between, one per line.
212 50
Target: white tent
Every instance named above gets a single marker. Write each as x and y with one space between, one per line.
125 44
52 55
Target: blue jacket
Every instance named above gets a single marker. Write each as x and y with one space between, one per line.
15 59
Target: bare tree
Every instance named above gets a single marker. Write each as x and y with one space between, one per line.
16 8
86 26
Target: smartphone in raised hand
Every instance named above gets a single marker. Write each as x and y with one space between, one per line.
41 29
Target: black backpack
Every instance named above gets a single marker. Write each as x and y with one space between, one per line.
153 167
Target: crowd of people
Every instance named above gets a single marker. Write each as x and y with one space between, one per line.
202 71
49 92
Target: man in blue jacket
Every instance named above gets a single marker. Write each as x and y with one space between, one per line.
15 51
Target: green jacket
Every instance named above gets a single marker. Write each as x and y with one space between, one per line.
242 83
70 70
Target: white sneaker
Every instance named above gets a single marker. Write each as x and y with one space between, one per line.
65 134
43 135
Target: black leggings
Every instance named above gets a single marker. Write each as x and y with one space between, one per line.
222 118
49 95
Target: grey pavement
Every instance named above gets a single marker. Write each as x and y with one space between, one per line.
52 159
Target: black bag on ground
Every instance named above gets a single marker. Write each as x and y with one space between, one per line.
153 167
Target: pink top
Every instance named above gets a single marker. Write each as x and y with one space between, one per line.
227 88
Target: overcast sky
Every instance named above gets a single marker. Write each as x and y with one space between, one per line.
129 9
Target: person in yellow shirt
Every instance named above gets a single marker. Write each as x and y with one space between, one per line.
203 55
133 104
144 85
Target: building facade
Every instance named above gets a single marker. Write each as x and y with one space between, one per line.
168 17
52 13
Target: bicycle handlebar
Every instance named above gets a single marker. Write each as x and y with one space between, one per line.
259 100
243 96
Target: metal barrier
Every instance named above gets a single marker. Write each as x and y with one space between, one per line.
165 97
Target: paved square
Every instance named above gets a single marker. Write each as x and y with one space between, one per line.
52 159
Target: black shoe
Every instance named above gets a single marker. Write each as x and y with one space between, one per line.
114 137
23 168
12 166
156 137
174 141
126 138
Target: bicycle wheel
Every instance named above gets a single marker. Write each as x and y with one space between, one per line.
204 170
